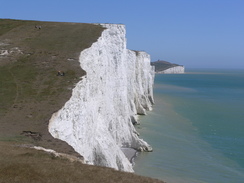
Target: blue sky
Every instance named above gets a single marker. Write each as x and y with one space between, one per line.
194 33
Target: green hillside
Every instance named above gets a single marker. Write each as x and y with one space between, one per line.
31 54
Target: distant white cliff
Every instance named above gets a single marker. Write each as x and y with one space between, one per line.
173 70
97 120
164 67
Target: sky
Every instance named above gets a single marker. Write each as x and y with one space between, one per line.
193 33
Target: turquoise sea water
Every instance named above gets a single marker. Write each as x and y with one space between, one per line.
196 128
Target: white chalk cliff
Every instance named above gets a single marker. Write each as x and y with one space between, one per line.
173 70
97 120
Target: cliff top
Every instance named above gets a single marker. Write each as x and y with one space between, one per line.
162 65
32 89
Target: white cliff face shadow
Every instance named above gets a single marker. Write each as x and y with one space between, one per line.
97 120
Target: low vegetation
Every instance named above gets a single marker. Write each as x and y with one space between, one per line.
21 164
31 54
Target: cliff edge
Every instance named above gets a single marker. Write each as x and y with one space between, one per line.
98 119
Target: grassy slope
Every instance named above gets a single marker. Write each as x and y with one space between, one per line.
31 91
24 165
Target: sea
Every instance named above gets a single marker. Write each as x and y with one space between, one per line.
196 128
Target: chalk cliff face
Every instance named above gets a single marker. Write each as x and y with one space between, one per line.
173 70
97 120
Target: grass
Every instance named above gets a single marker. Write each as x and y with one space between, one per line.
30 90
20 164
44 52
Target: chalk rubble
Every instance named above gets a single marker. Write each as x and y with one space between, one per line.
97 120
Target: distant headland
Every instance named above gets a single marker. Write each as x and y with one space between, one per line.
164 67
